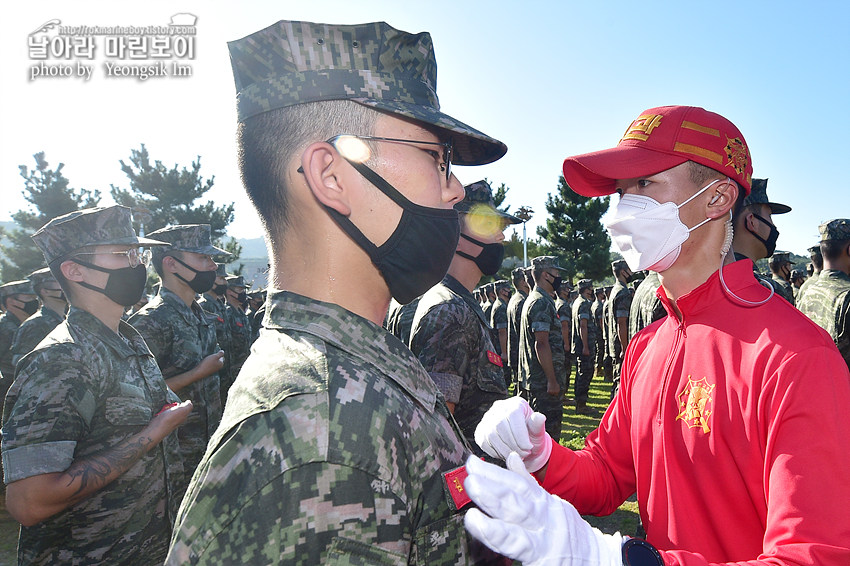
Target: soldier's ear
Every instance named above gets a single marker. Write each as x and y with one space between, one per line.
328 176
71 270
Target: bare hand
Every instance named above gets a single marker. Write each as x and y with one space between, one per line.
169 418
553 389
212 363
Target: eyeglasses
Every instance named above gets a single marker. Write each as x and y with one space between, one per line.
134 257
343 143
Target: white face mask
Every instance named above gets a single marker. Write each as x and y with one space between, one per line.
650 234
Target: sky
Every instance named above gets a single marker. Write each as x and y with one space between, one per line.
550 79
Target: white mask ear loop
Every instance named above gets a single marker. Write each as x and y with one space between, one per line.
695 195
724 251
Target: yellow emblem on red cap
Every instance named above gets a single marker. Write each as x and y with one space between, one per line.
738 155
696 404
642 127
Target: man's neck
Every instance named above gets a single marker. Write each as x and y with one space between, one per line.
466 273
55 305
179 288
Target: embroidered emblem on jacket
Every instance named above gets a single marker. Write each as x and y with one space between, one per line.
696 404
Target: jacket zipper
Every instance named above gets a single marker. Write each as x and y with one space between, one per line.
674 351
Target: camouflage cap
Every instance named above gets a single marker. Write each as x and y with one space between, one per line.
502 284
235 281
545 262
372 64
814 250
100 226
20 287
41 276
838 229
479 202
798 273
585 284
599 290
758 195
187 238
220 270
781 258
618 265
257 293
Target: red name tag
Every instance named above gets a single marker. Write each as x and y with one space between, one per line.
494 358
454 484
219 319
239 324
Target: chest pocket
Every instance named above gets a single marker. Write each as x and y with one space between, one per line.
441 542
128 407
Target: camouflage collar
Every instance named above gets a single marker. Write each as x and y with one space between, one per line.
354 335
49 314
191 314
462 292
543 293
80 318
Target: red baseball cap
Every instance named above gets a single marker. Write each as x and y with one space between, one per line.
659 139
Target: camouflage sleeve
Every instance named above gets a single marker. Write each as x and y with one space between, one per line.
622 305
499 317
52 406
584 310
440 341
26 339
564 313
539 316
158 337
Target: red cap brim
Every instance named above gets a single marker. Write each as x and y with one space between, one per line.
595 174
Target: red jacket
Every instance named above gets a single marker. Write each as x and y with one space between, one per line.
733 427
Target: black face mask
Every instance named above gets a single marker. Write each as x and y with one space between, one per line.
489 260
124 286
418 253
219 289
29 307
556 283
770 242
202 282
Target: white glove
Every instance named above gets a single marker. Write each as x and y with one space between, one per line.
528 524
511 426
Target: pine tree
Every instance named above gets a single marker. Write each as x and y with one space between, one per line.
47 191
575 234
160 196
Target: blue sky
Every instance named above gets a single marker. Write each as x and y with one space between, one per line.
550 79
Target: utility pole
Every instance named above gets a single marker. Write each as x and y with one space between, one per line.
524 213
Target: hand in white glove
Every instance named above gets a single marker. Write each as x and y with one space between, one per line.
511 426
528 524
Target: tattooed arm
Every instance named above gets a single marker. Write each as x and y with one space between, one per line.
36 498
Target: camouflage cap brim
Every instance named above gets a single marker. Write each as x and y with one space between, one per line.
470 146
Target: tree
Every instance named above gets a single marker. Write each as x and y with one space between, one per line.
160 196
47 191
575 234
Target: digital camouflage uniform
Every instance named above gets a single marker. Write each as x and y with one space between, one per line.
646 306
514 313
180 336
400 319
619 304
539 315
218 309
240 336
827 300
562 307
584 364
331 450
783 288
82 391
453 342
9 325
600 354
33 330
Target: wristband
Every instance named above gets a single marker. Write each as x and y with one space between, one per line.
638 552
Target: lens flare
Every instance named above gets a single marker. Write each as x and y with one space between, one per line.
352 148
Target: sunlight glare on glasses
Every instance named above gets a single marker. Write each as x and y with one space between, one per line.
353 148
483 221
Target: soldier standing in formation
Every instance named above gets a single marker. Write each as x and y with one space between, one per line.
617 319
181 335
584 331
49 316
563 306
514 313
646 306
339 431
817 266
780 267
92 465
499 319
19 303
541 347
239 328
450 335
214 302
827 300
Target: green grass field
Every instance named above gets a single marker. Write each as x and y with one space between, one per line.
575 429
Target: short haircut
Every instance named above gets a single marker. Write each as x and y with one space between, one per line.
267 143
832 249
817 258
